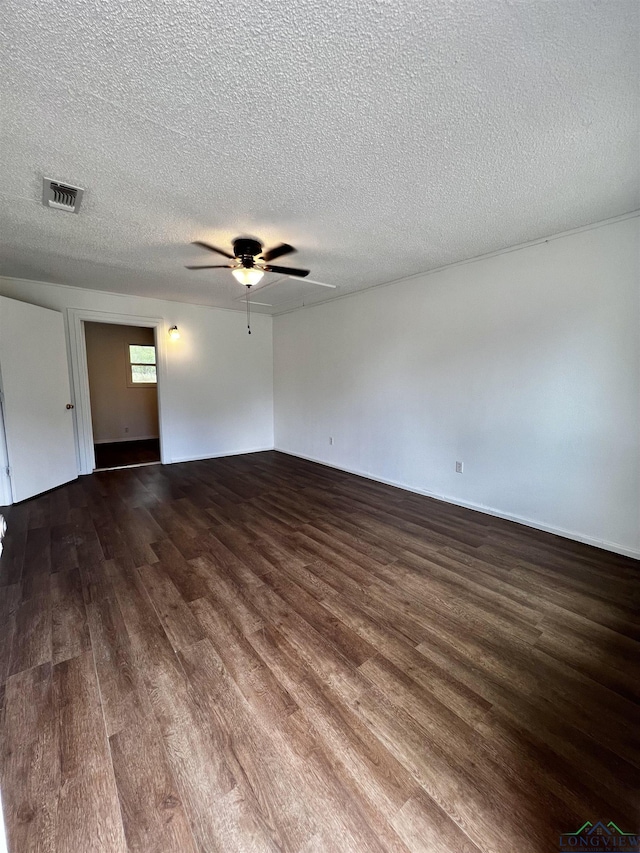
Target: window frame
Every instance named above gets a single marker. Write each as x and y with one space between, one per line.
130 364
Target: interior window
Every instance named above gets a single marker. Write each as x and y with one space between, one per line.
142 365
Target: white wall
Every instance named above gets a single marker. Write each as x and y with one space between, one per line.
119 411
218 395
524 366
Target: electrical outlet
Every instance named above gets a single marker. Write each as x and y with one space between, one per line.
459 467
330 439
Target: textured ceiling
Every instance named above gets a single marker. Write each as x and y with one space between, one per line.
382 138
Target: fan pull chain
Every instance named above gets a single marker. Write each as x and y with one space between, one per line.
248 312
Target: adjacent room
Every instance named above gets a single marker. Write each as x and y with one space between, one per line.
320 427
123 392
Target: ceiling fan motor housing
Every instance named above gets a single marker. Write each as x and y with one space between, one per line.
246 250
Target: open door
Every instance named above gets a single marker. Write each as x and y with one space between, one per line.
36 399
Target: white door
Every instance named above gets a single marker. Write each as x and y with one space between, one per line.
35 383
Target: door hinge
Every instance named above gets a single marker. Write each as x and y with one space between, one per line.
8 471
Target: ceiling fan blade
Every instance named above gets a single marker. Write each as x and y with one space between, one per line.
213 249
288 271
214 267
277 252
321 283
243 298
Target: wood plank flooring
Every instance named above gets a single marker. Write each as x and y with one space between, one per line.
262 654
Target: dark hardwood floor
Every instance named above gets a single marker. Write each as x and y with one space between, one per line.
119 453
262 654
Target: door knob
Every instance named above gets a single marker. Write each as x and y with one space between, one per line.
69 405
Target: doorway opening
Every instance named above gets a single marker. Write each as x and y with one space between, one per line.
122 367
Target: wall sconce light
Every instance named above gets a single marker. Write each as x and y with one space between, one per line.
174 334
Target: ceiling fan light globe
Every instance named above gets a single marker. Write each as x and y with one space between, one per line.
247 275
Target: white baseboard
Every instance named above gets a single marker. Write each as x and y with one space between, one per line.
527 522
125 438
220 455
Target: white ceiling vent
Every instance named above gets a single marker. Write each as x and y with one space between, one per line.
61 196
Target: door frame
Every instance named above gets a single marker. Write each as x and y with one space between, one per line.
76 318
6 486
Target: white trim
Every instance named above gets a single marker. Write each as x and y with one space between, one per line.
472 260
122 295
527 522
588 227
3 834
6 491
126 439
122 467
221 455
76 318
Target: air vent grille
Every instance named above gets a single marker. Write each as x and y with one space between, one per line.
61 196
